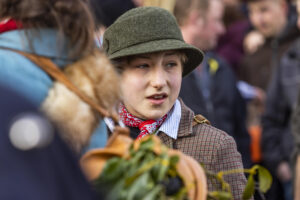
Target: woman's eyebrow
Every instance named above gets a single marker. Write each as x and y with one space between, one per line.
142 56
170 53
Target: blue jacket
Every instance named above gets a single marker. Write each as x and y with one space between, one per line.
21 75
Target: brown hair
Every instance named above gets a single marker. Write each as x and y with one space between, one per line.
71 17
184 7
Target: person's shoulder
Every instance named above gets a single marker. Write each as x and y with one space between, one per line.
11 59
207 132
291 56
293 50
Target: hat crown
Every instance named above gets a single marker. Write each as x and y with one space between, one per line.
140 25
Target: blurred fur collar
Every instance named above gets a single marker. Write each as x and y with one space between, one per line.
95 77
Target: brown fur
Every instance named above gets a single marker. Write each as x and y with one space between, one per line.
94 76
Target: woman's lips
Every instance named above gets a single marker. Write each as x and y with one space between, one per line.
157 99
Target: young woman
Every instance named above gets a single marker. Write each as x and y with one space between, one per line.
147 48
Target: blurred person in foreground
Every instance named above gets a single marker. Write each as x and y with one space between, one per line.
47 28
211 88
147 47
35 163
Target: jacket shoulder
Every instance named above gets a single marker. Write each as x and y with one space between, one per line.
210 132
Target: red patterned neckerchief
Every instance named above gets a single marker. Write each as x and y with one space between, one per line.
9 25
146 127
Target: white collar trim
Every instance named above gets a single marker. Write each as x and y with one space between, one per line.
171 124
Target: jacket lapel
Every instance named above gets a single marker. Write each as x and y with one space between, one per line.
185 126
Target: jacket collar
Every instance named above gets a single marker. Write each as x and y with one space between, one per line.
185 125
171 126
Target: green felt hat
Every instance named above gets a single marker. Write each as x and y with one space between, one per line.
147 30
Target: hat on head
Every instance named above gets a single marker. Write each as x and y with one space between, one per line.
148 30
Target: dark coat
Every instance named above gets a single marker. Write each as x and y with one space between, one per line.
296 126
211 147
47 173
277 141
224 107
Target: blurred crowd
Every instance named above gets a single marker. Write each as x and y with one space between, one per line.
247 85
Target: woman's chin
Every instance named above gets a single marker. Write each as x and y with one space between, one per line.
155 115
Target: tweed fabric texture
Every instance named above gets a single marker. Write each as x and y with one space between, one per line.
211 147
147 30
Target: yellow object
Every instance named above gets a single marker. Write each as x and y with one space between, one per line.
213 66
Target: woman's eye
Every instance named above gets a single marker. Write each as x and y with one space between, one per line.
171 64
142 66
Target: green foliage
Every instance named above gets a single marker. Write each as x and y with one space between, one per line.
144 174
141 176
265 179
220 195
264 183
250 188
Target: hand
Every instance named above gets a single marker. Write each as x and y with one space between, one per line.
284 172
252 41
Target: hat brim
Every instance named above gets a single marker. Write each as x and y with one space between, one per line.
194 55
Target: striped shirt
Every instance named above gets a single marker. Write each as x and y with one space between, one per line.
171 125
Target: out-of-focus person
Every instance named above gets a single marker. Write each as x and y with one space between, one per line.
48 29
274 30
270 19
277 140
35 163
211 88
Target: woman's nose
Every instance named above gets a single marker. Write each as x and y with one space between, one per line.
158 77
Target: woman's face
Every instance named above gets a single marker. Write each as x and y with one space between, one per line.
150 83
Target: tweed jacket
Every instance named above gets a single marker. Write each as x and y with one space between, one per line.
211 147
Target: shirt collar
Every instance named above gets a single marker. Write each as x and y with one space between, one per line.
171 125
